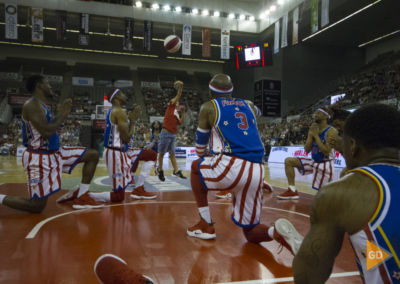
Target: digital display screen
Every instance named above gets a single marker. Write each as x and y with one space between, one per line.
252 53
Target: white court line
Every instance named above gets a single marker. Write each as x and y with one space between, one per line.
39 225
287 279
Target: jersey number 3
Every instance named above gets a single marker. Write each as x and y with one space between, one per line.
243 120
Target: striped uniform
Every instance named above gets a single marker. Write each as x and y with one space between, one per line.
133 153
117 160
237 164
383 228
319 164
44 161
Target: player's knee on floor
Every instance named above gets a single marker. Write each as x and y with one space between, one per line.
150 155
195 166
117 196
37 206
256 234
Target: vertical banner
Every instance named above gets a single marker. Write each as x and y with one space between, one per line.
285 20
206 36
225 43
187 39
271 97
276 41
128 35
84 30
258 94
295 34
324 13
37 24
314 15
11 18
61 25
148 35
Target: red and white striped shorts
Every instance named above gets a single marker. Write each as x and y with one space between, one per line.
243 178
134 155
323 172
44 169
118 165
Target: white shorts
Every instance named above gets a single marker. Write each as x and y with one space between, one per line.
118 165
44 169
323 172
243 178
134 155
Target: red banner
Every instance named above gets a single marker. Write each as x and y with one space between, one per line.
17 99
99 124
206 42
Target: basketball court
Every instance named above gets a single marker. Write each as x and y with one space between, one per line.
61 245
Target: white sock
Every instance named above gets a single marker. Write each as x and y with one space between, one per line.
205 214
271 232
292 188
2 198
100 196
83 188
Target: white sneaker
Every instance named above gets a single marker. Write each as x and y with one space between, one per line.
285 233
69 196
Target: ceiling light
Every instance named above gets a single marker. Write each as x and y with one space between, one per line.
272 8
242 17
216 13
205 13
138 4
178 9
280 2
231 16
262 16
195 11
166 8
251 18
155 6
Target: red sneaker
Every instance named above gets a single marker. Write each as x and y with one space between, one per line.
140 193
111 269
285 234
266 187
69 196
86 202
288 194
224 194
202 230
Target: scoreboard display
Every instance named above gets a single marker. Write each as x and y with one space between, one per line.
252 55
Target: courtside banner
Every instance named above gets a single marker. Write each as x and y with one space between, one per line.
61 25
314 15
279 154
285 20
295 34
225 43
84 30
187 40
37 24
276 34
148 35
11 18
206 36
324 13
128 35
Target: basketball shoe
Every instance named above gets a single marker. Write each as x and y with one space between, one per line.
266 187
202 230
140 193
289 194
86 202
285 234
223 194
160 174
69 196
110 269
179 174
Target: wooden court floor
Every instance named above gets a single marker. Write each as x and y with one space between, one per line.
61 245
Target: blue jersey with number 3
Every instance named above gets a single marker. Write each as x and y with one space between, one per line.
235 130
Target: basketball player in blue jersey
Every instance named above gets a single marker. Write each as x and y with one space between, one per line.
364 203
44 160
229 126
319 142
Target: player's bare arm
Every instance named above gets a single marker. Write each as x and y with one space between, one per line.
119 117
33 112
206 116
330 137
179 86
254 109
309 141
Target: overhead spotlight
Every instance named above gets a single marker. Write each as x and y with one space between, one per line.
195 11
266 12
138 4
262 16
205 13
231 16
272 8
280 2
178 9
242 17
155 6
166 8
251 18
216 13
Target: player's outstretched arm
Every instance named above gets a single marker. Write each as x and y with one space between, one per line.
179 86
206 118
314 261
33 112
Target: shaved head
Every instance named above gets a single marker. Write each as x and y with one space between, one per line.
221 85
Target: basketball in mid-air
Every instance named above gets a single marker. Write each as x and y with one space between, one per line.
172 43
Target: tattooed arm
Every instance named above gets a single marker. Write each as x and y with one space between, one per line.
314 261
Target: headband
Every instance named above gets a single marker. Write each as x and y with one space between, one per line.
114 93
321 110
219 90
